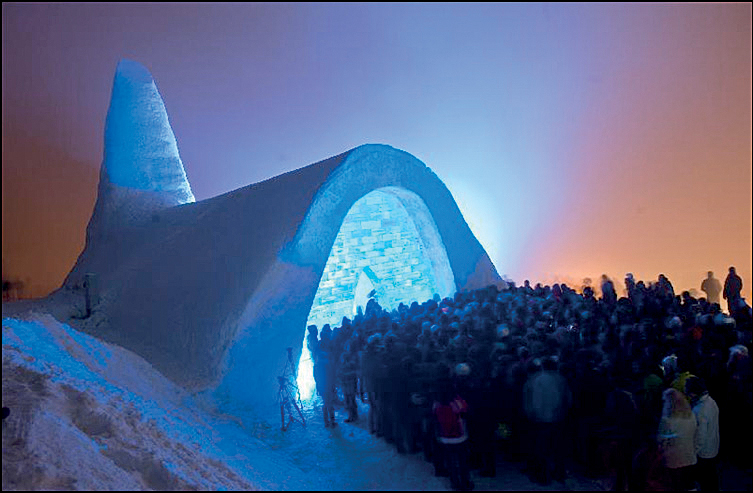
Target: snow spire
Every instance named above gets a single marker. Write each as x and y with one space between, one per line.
140 147
142 171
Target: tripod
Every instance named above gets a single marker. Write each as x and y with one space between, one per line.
289 396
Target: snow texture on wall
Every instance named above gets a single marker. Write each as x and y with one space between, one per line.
212 292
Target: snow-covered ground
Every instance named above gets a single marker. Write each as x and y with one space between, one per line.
87 414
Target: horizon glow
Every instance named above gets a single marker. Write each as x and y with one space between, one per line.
577 139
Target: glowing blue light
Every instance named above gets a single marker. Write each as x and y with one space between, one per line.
305 379
378 251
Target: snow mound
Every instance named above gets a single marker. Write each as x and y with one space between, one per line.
88 415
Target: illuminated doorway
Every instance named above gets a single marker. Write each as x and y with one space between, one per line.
387 248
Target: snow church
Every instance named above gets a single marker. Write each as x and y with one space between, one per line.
213 292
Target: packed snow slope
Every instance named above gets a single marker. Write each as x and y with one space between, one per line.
89 415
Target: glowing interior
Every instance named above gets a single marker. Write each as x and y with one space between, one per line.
388 244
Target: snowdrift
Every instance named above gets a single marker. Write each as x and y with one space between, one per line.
88 415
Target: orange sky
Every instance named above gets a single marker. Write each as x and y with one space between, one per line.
577 139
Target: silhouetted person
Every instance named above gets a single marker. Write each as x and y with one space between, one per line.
324 374
736 415
732 287
629 284
546 402
608 294
622 414
13 290
527 286
371 381
665 287
349 381
712 287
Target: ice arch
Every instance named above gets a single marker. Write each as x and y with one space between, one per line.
388 244
212 292
277 312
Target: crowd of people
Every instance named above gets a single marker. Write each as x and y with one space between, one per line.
641 386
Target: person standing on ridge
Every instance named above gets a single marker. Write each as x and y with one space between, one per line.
608 294
733 285
712 287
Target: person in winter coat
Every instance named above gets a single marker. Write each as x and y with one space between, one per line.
608 294
665 288
370 359
707 438
546 401
677 438
622 414
712 287
449 411
733 285
349 381
324 374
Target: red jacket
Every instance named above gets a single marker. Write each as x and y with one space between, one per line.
450 420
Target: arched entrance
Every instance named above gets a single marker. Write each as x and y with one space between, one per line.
387 248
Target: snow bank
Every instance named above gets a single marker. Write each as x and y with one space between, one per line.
88 415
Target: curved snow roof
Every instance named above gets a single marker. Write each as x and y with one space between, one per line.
212 292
